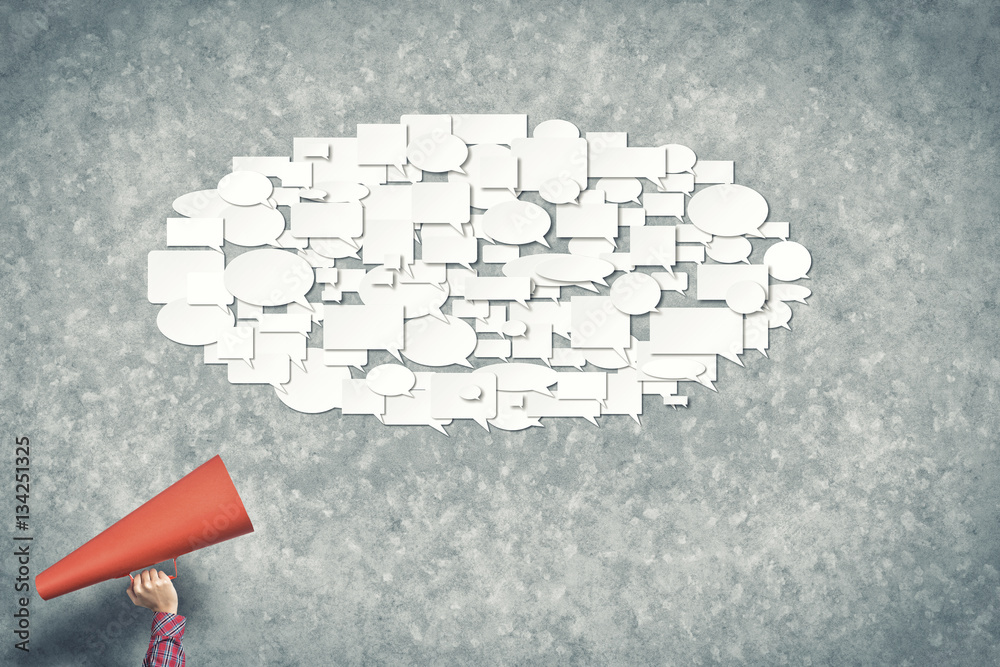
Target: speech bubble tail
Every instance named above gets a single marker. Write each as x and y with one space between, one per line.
408 394
223 307
466 265
592 419
359 367
217 248
785 326
270 203
600 281
457 226
548 362
512 192
763 351
380 418
541 239
438 315
636 418
279 388
355 255
437 426
464 362
248 361
305 304
757 233
806 277
735 358
588 286
745 260
521 302
614 242
395 352
459 170
620 351
482 422
408 270
544 391
636 200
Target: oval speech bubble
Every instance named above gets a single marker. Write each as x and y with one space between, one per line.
746 297
245 188
728 210
201 204
431 342
635 293
318 388
437 153
679 158
620 190
470 392
391 380
575 269
559 191
556 129
252 225
382 287
342 191
514 328
269 277
193 325
787 261
729 249
522 377
516 222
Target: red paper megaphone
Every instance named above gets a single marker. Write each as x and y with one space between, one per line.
199 510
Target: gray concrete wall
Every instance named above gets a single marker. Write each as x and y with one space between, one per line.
836 503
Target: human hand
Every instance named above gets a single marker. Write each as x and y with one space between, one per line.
154 590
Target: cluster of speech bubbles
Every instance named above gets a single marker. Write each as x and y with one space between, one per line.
432 240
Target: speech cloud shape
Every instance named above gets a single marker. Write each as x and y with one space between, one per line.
443 273
245 188
728 210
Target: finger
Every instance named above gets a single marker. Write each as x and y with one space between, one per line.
146 578
137 584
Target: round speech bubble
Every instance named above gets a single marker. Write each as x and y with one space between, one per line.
193 325
517 222
635 293
787 261
252 225
431 342
729 249
383 287
620 190
245 188
559 190
679 158
745 297
391 380
471 392
514 328
437 153
728 210
318 388
556 129
779 314
269 277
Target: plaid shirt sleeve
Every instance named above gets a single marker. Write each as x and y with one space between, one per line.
165 647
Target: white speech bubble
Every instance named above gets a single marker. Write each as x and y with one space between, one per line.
635 293
676 368
269 277
783 292
391 380
745 297
252 226
437 152
336 248
779 314
575 269
245 188
559 190
679 158
331 220
556 129
207 289
194 232
379 287
517 222
620 190
514 328
729 249
433 342
342 191
192 325
728 210
787 261
315 388
200 204
522 377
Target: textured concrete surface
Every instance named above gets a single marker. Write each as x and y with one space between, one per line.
834 504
